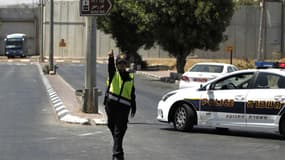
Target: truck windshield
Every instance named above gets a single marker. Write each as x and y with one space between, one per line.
16 43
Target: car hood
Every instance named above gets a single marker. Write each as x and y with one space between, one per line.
185 90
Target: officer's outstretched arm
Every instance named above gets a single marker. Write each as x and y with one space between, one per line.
111 64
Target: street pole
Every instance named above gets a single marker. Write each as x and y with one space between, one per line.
51 64
282 29
260 36
91 9
231 56
91 93
42 31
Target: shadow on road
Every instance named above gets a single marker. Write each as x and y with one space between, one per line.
145 123
236 133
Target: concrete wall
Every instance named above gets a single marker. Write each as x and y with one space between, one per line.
244 31
242 34
69 29
20 20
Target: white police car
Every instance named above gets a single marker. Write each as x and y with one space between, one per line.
249 99
202 72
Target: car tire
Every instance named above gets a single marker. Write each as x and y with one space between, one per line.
282 126
183 117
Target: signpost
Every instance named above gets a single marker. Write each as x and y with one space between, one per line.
229 49
92 8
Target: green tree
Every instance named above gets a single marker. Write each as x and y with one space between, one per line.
127 24
181 26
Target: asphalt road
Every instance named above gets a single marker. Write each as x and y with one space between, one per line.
149 139
29 129
148 92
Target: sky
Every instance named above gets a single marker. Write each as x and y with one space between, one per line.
12 2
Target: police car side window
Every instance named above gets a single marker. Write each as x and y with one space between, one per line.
240 81
281 82
268 80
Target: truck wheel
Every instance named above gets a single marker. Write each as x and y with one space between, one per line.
282 126
183 117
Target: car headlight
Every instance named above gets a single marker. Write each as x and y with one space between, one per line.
165 97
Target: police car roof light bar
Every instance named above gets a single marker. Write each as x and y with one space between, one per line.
281 64
264 65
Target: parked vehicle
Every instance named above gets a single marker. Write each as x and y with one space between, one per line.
200 73
15 45
252 99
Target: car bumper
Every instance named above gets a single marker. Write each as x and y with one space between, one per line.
162 111
183 84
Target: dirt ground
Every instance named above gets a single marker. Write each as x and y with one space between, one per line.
171 62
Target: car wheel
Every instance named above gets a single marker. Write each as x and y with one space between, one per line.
183 118
282 126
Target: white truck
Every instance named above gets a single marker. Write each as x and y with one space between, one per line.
15 45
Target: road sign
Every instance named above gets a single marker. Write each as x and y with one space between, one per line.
94 7
229 49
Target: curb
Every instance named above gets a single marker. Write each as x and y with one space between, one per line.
166 79
62 113
149 76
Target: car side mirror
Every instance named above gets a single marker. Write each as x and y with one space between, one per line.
208 87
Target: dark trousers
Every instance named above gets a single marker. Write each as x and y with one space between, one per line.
117 123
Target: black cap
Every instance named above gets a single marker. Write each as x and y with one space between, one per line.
121 58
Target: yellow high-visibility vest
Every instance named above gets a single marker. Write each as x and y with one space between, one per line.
120 90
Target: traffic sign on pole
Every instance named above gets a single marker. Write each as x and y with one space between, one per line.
94 7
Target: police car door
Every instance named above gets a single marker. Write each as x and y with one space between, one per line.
266 100
223 104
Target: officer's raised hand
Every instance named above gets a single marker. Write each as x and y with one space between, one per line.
111 53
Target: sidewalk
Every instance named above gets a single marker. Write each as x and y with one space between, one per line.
72 104
67 106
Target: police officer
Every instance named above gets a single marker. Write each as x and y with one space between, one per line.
119 100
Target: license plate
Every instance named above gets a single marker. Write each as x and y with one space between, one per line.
200 79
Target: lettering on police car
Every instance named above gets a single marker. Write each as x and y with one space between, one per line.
257 117
250 117
218 103
235 116
264 105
